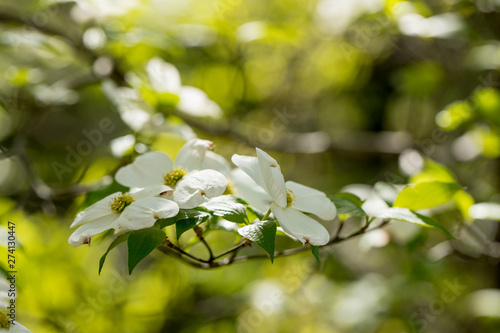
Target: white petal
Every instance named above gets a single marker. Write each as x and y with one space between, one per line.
192 154
193 188
250 165
300 226
18 328
122 144
195 102
83 234
146 170
272 176
216 162
312 201
247 189
143 213
151 191
135 118
98 210
485 211
164 77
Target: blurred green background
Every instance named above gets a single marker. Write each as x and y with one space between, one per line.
340 92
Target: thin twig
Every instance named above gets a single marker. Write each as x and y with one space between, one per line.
169 251
181 251
234 249
201 263
199 233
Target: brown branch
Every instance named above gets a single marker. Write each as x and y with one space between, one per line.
177 249
234 249
199 233
171 249
168 251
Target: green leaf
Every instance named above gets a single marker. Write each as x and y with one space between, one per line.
162 223
464 201
187 219
184 225
263 233
348 204
406 215
141 243
227 208
3 270
351 197
426 195
117 241
315 251
433 171
234 213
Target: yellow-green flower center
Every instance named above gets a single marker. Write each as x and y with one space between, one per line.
172 177
230 189
120 202
290 197
4 320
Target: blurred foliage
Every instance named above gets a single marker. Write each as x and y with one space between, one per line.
342 91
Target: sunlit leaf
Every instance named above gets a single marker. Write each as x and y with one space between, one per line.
426 195
406 215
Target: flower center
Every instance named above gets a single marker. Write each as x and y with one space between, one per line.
120 202
4 320
230 189
172 177
290 197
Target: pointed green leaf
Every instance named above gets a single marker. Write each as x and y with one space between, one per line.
189 218
406 215
426 195
117 241
348 204
263 233
141 243
315 251
433 171
162 223
184 225
227 208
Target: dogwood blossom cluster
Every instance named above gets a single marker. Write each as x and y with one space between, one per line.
160 188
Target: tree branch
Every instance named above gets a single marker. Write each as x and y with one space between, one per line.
172 250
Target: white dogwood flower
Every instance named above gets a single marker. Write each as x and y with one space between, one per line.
191 185
239 184
288 200
133 211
